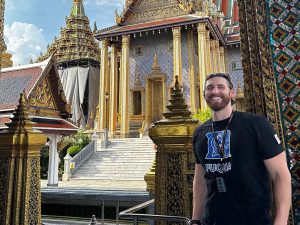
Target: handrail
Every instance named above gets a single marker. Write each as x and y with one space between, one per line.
83 155
129 214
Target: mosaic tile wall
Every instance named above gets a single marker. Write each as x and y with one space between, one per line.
234 66
158 43
285 41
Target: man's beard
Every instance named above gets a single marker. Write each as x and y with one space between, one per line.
217 106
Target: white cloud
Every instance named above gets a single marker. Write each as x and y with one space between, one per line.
24 41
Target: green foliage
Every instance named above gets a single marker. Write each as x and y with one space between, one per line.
80 139
202 115
73 150
44 162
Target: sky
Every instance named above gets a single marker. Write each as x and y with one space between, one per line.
29 25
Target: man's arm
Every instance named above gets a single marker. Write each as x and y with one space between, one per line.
199 192
281 178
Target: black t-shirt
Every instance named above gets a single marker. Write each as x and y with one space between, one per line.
250 139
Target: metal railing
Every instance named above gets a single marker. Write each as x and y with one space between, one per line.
83 155
130 214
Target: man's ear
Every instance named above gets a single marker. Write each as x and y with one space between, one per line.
232 93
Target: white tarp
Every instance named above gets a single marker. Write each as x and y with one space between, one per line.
74 81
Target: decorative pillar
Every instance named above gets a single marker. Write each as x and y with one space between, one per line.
208 53
124 93
20 148
177 59
213 56
191 59
103 83
222 60
201 56
113 90
218 58
174 158
2 43
53 160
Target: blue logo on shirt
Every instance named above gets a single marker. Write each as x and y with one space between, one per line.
213 152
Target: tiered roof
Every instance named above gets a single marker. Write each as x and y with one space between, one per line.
76 40
145 15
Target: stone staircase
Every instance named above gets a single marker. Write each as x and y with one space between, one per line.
124 160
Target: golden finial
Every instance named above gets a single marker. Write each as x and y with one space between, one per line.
20 120
155 65
95 27
119 19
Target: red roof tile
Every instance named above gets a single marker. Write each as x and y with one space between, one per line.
45 124
13 82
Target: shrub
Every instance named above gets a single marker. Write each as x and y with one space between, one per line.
73 150
202 115
44 162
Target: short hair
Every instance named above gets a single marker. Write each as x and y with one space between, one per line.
224 75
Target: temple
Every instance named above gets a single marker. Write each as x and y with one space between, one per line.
154 41
47 105
78 56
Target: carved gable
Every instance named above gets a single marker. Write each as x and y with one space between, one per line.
42 96
147 10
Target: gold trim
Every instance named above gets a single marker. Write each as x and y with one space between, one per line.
191 61
177 58
103 83
201 57
124 90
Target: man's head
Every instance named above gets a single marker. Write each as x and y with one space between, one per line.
218 92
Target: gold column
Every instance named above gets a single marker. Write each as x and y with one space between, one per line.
103 83
192 76
213 56
202 62
20 147
208 53
218 58
177 59
2 43
148 102
125 87
113 90
171 169
222 60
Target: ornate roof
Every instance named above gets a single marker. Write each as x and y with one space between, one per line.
143 15
41 84
76 40
138 11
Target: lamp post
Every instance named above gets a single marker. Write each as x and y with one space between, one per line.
106 121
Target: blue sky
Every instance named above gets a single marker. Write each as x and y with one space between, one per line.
31 24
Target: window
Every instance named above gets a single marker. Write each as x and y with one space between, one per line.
138 50
137 103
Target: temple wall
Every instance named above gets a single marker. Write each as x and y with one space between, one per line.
159 44
185 66
234 66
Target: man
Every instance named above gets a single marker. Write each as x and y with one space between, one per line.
236 153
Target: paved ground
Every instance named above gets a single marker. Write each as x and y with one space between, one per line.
100 185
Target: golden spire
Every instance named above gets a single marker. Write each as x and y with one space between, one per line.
239 91
137 80
2 43
77 8
177 108
76 40
155 66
